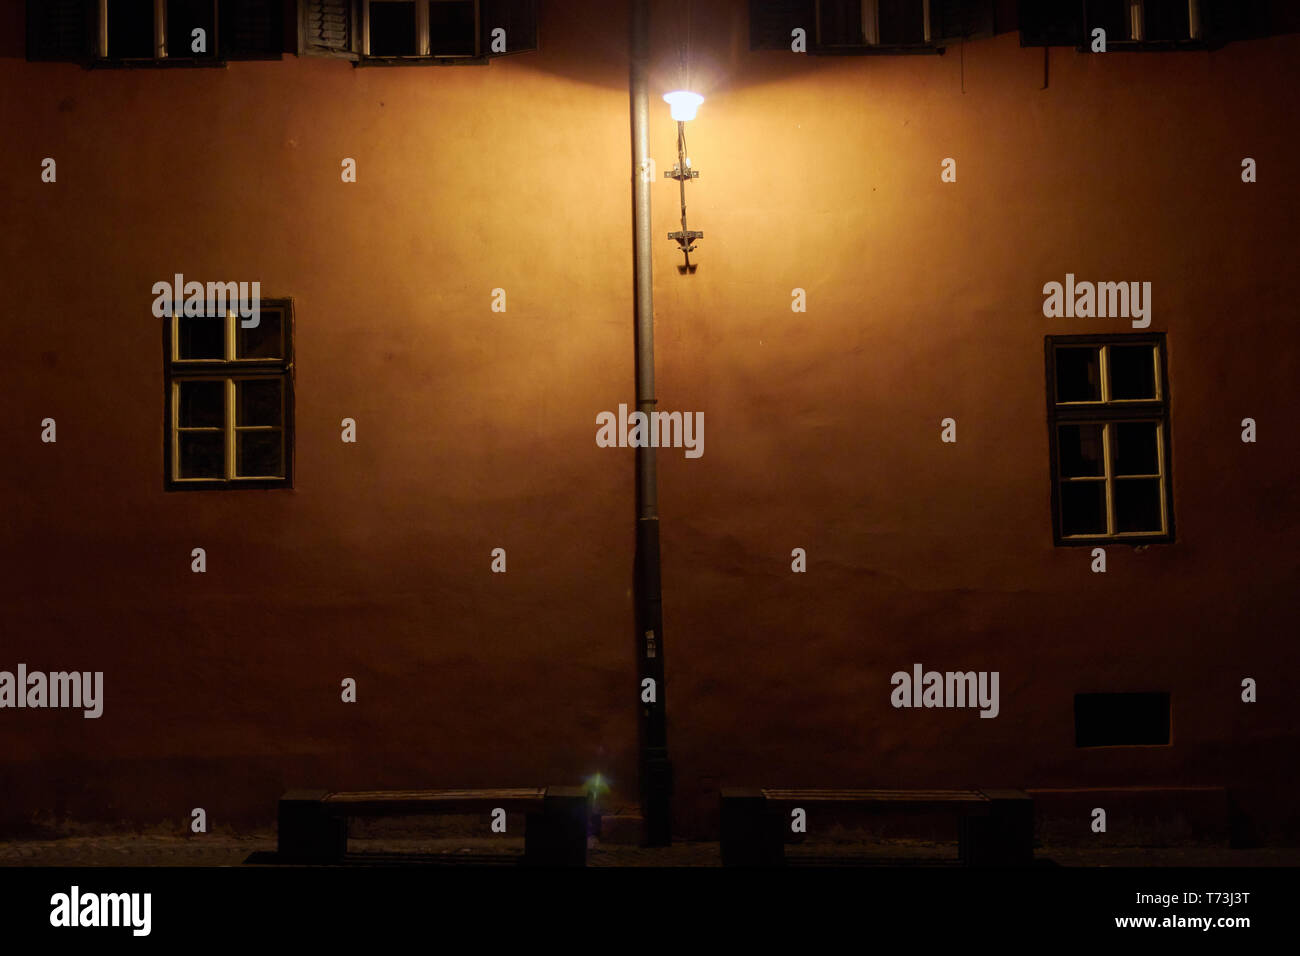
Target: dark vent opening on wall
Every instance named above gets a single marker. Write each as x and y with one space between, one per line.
1121 720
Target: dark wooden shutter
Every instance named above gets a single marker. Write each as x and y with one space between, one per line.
252 29
1227 20
1051 23
771 22
59 29
952 20
329 27
517 17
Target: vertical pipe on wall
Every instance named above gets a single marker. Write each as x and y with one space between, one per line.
655 770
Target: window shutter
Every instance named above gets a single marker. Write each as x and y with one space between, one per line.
517 17
252 29
952 20
329 27
59 29
771 22
1227 20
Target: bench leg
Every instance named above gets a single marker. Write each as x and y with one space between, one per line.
1003 838
308 833
558 835
749 836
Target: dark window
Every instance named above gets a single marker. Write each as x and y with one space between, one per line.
408 32
1132 372
154 32
451 27
1108 424
59 29
201 338
229 400
1051 22
1165 21
901 22
1112 16
392 28
251 29
183 18
772 23
1138 22
130 29
840 23
1119 720
871 23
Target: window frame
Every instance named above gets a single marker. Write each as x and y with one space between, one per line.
1195 38
1108 412
341 29
423 41
95 53
1137 15
927 46
228 371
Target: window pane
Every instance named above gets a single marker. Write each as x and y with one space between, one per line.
201 338
202 404
183 17
392 28
257 401
841 22
202 454
451 28
1166 20
1137 504
1132 371
1135 448
260 455
901 21
1080 450
264 340
1078 375
1083 507
1112 16
130 28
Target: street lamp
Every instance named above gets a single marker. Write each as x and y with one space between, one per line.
683 105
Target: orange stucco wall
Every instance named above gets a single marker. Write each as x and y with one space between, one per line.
476 428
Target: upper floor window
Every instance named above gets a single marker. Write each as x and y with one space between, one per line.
868 26
229 400
392 32
1108 424
1145 21
1149 24
154 32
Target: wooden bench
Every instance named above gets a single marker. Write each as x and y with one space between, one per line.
995 827
313 824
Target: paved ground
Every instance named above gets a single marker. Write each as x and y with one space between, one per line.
236 849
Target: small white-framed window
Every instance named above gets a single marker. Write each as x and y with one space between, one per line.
229 400
1108 421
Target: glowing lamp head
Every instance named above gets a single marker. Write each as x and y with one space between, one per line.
683 104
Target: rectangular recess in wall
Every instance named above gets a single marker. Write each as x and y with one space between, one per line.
1121 720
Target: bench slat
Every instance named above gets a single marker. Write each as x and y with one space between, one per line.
385 802
875 796
433 796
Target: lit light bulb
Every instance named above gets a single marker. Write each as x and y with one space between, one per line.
683 104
